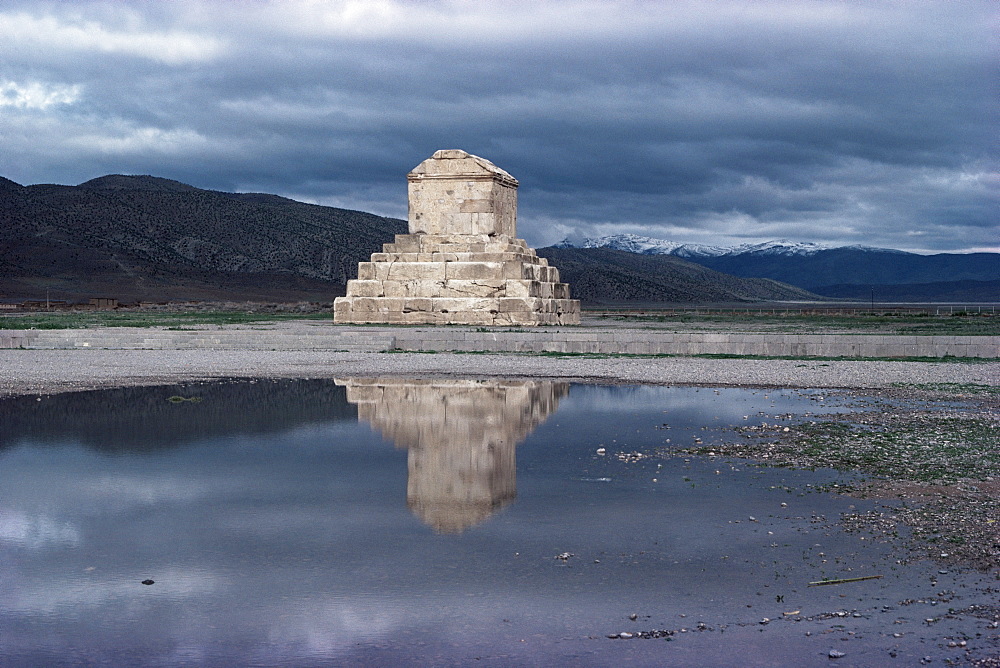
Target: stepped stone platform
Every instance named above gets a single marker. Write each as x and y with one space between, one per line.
461 263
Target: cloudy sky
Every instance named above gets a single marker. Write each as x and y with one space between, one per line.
841 122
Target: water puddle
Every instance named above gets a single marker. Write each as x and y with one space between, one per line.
442 522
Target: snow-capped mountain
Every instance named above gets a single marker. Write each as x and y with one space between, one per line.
634 243
816 267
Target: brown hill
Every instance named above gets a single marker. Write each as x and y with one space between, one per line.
147 238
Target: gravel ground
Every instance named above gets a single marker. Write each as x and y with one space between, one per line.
51 371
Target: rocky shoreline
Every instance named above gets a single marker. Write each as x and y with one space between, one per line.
928 450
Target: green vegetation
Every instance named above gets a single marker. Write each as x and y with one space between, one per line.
935 449
172 320
955 390
897 444
915 324
808 358
724 356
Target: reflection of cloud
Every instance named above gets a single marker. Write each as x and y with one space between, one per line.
143 489
35 531
327 627
92 589
460 436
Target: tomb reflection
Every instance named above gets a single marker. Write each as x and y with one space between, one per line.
460 437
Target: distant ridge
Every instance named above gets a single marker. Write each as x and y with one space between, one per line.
602 276
153 239
942 291
828 270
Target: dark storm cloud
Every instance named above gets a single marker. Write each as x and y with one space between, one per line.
711 122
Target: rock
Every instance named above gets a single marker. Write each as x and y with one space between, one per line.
835 654
147 582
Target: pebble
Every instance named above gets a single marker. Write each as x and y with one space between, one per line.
836 654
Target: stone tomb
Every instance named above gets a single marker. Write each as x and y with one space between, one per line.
461 263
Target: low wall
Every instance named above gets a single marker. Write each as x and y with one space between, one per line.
17 338
468 339
646 342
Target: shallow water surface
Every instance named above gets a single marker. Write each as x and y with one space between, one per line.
445 522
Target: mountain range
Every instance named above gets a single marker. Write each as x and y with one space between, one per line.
144 238
604 276
846 272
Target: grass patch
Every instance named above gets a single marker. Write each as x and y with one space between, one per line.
962 360
970 324
955 389
925 447
937 450
813 358
171 320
